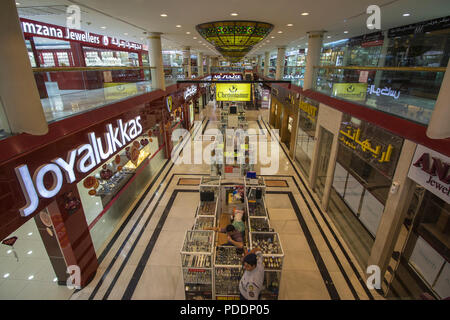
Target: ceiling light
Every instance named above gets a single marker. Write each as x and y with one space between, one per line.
30 234
289 24
163 15
9 251
17 4
188 32
328 37
55 279
195 38
30 252
30 277
345 31
178 26
234 14
280 31
6 275
103 27
126 33
273 37
406 14
305 14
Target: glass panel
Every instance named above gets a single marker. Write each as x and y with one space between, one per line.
326 143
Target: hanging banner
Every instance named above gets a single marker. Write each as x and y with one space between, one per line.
233 92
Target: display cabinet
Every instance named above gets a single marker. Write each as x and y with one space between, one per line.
259 224
204 222
209 196
227 272
197 264
273 256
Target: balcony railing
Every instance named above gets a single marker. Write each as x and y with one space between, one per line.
294 74
406 92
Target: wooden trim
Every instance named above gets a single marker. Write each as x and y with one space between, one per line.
416 69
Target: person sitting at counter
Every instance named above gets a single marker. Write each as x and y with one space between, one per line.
234 236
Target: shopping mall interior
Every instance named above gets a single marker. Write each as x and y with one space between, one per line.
134 133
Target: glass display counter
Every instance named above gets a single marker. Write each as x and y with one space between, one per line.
227 272
197 264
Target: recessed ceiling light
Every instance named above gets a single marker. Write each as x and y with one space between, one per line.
55 279
188 32
178 25
234 14
6 275
195 38
345 31
280 31
30 234
103 27
406 14
163 15
289 24
305 14
126 33
30 252
273 37
9 251
328 37
31 277
17 4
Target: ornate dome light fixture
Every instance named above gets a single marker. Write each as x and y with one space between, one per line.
234 39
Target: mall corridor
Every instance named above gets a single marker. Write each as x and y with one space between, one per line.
239 150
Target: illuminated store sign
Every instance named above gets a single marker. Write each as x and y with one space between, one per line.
89 156
384 92
36 28
430 169
169 102
230 77
350 91
233 92
190 91
352 139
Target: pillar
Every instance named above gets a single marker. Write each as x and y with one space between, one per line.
280 63
187 62
258 64
315 39
19 95
156 60
208 64
266 63
394 212
200 64
438 127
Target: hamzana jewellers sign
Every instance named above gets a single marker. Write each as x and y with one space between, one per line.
40 29
84 158
430 169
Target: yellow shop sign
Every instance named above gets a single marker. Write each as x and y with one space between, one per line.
115 91
350 91
233 92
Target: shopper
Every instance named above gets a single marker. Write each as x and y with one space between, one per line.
252 280
234 236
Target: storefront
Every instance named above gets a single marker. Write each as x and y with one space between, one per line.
83 186
422 252
190 101
306 131
56 46
367 157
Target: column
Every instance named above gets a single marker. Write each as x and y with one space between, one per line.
266 63
200 64
258 64
187 62
19 94
438 127
315 39
394 212
156 60
208 64
280 63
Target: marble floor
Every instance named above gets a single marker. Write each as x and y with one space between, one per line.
144 262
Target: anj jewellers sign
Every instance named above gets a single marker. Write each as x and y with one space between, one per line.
430 169
233 92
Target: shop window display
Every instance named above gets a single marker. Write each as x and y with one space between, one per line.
101 192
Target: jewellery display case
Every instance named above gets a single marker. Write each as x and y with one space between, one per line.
227 272
197 264
273 256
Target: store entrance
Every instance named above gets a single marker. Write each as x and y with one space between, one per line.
326 138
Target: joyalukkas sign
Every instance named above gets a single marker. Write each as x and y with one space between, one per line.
82 159
430 169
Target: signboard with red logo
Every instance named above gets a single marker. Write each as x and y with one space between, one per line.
430 169
40 29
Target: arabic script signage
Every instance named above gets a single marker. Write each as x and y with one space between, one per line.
40 29
375 145
388 92
430 169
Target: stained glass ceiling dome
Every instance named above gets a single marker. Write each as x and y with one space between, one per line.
234 39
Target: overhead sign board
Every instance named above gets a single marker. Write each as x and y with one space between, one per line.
233 92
